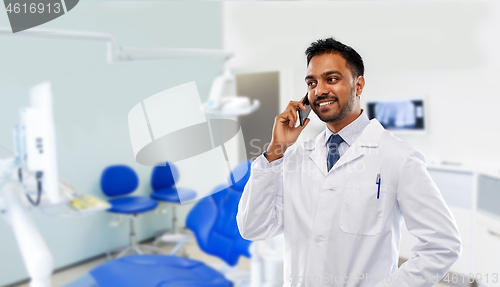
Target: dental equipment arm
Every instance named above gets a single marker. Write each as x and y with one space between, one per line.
115 52
34 251
35 155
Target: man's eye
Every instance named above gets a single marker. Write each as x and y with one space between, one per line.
332 79
310 83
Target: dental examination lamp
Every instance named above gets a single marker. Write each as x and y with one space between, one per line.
231 106
30 178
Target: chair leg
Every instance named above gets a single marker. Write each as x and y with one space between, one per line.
137 249
177 247
149 248
123 252
132 232
174 219
179 238
134 247
184 252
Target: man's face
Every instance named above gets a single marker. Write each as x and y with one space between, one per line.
331 87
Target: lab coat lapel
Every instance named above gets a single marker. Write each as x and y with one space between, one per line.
318 157
352 153
368 138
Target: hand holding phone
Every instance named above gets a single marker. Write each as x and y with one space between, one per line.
285 133
304 114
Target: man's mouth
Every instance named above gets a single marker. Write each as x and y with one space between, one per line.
326 105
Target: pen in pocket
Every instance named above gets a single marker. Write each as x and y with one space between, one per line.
378 184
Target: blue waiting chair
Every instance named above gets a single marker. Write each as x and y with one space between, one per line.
118 181
213 221
163 179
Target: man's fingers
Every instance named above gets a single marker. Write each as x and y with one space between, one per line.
290 116
306 121
293 115
296 105
282 118
285 118
302 106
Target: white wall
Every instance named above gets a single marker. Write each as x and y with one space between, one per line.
446 51
92 99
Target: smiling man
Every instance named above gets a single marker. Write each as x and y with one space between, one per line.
340 199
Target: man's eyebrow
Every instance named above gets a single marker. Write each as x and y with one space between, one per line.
332 72
325 74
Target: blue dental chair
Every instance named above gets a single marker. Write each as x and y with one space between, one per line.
213 221
117 181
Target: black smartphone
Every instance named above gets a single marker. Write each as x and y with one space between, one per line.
304 114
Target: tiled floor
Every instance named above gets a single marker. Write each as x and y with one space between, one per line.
66 276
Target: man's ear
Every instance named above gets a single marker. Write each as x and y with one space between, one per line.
360 84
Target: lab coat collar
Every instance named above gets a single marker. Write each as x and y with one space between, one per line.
350 132
370 137
371 134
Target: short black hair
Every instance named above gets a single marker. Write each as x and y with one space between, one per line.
330 45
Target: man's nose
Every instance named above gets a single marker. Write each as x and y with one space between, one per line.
321 89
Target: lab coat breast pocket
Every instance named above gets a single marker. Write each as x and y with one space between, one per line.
362 212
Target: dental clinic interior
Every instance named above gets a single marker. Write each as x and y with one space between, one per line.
128 129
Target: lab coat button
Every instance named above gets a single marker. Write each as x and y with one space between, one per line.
318 239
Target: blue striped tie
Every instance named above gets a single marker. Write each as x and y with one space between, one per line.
333 152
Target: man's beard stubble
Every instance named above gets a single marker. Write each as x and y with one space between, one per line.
344 110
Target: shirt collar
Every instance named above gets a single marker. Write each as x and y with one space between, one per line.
352 131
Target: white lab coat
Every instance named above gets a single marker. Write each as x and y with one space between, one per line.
337 232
